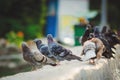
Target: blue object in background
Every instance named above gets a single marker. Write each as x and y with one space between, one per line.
51 23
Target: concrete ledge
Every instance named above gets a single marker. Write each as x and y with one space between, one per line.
72 70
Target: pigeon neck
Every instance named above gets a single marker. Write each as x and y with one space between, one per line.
50 41
39 45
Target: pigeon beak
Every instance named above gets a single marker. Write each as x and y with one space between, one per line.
53 64
35 40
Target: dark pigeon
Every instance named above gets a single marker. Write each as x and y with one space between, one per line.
89 29
59 52
112 38
108 51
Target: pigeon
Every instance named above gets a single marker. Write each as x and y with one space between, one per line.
108 53
34 57
59 52
43 48
89 50
96 32
86 34
112 38
108 39
104 30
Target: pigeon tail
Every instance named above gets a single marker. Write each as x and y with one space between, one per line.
72 57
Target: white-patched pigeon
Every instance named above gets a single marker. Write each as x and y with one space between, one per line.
89 50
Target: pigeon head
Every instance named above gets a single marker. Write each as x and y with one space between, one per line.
91 35
50 38
37 41
104 29
24 47
96 30
88 27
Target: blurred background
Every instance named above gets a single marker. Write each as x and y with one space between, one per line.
24 20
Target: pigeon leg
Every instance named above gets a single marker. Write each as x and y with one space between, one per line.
91 61
34 68
100 52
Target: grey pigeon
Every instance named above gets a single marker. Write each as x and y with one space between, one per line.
34 57
43 48
59 52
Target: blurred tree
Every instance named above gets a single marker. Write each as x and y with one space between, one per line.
95 5
112 12
20 15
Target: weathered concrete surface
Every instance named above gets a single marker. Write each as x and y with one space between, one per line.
73 70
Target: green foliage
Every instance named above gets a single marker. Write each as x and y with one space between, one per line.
15 38
28 16
32 31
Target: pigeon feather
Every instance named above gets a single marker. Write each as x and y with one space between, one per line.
58 51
